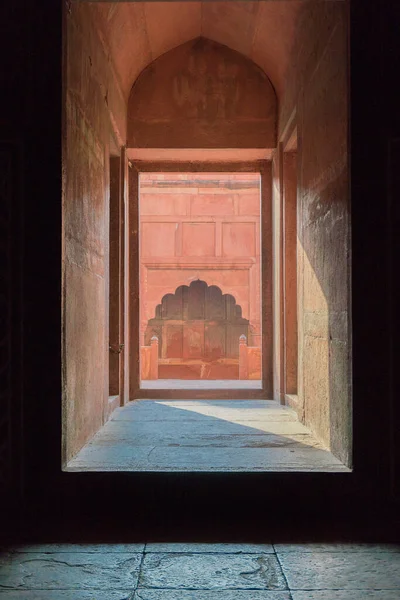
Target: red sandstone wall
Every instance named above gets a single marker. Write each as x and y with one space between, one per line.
316 89
200 229
218 95
317 92
92 99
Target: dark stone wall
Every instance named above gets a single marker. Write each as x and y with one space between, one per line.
92 96
317 90
213 505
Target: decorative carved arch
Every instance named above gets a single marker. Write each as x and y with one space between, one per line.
183 288
198 321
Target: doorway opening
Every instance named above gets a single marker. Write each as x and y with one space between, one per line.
200 280
289 271
114 279
176 288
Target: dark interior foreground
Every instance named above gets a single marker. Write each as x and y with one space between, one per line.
39 501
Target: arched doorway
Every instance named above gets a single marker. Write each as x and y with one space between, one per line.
198 330
202 106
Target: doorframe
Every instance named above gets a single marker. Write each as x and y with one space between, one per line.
264 167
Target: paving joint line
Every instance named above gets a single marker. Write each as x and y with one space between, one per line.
213 589
139 571
283 572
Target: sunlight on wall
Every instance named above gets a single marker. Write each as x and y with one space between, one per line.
315 350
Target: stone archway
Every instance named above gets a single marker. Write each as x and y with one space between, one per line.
201 98
198 328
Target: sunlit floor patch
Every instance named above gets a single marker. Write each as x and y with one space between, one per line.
206 435
201 384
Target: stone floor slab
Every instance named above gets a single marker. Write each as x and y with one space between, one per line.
67 595
95 457
169 410
204 427
204 436
211 572
210 595
63 571
237 403
341 571
336 547
198 548
248 459
166 437
188 459
184 415
346 595
201 384
74 548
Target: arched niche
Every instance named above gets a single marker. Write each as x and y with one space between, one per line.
197 321
202 95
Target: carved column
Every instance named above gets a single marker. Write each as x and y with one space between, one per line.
154 357
243 358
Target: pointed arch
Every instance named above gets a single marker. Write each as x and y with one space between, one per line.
202 95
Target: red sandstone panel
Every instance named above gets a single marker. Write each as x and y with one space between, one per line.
215 304
197 300
170 279
154 294
212 204
254 362
218 190
253 177
238 239
249 204
226 279
170 189
145 362
233 333
172 306
231 23
158 239
169 25
193 340
163 204
173 341
198 239
214 340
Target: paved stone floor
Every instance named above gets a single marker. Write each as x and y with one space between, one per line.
201 384
204 435
200 572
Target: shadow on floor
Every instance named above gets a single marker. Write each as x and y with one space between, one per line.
205 436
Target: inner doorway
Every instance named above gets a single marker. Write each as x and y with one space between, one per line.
183 113
200 265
